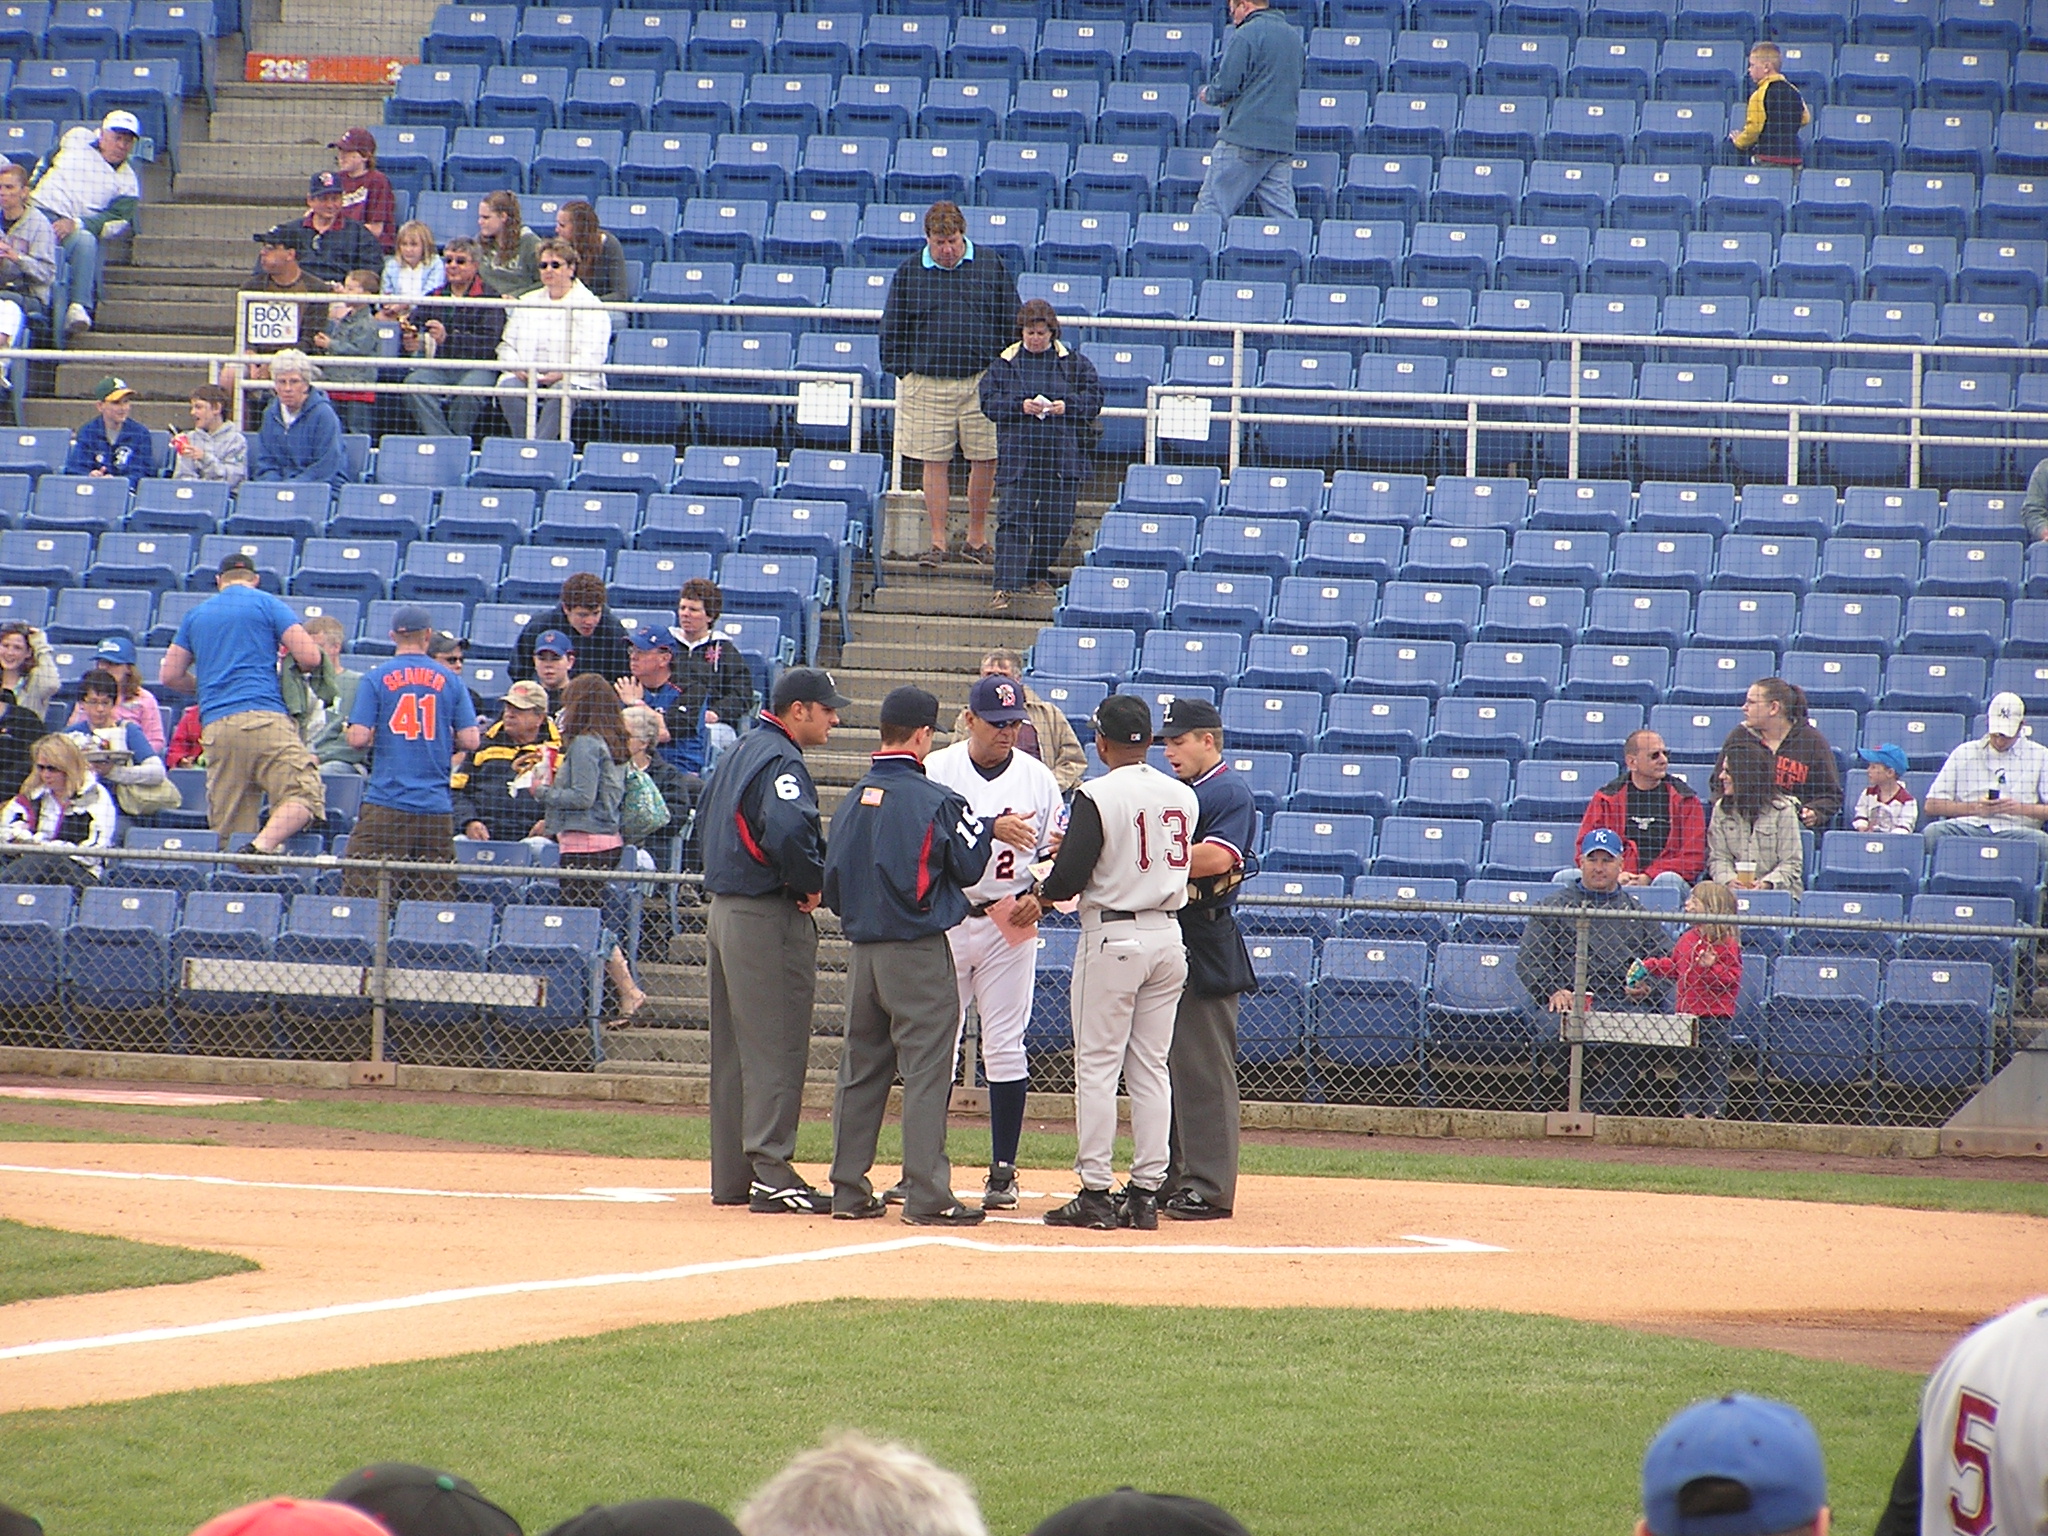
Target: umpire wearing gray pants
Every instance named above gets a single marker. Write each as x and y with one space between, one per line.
764 865
904 851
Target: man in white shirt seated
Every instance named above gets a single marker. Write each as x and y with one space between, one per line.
1995 787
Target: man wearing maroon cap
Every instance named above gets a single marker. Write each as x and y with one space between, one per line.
366 194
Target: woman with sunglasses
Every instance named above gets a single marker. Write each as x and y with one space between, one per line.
62 803
557 334
467 333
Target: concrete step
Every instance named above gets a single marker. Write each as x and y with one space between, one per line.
162 387
191 220
249 174
913 634
950 597
228 250
392 27
963 659
130 309
687 1052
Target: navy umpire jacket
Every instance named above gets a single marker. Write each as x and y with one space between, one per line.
761 832
904 850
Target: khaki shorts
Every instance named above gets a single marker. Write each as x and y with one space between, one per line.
252 754
935 415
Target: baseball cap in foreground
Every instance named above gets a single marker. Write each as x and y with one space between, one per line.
998 700
412 619
1733 1466
235 562
1600 840
2007 714
1128 1512
325 184
527 694
359 140
1184 715
292 236
909 709
806 685
117 648
648 1517
292 1517
553 642
419 1501
1891 756
652 637
121 122
1124 719
111 388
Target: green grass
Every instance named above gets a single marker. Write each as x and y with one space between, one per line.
42 1261
1302 1422
16 1130
687 1135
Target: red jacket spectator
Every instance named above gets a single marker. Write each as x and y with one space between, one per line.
1709 975
1685 850
184 749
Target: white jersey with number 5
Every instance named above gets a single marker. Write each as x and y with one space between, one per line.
1984 1431
1148 829
1025 787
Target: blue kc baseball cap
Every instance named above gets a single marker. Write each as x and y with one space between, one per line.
1893 757
1733 1466
1601 840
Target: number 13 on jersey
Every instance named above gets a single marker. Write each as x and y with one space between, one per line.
1170 841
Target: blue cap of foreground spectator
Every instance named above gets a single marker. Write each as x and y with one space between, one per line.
554 642
117 648
1893 757
412 619
1600 840
1734 1466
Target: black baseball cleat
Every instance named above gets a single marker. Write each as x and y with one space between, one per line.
896 1193
954 1215
868 1210
1092 1209
797 1200
729 1199
1186 1205
1137 1208
999 1191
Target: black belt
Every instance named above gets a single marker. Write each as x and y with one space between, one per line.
1111 915
983 909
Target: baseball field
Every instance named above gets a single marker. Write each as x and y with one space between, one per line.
202 1303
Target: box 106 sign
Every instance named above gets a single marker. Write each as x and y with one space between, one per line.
273 325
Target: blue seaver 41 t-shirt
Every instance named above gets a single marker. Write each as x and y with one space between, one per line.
416 706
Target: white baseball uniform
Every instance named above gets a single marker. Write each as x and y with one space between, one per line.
993 973
1984 1431
1130 967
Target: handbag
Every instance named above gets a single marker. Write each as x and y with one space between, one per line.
147 799
643 810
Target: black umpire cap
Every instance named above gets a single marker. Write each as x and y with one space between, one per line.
418 1501
1123 718
14 1523
806 685
1128 1512
910 709
648 1517
1184 715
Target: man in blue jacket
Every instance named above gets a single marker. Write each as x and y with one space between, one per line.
904 851
1257 85
301 436
111 444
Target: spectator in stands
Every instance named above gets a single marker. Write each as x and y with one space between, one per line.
554 662
353 330
1046 733
329 740
63 802
1774 712
852 1486
1257 84
486 807
1739 1466
366 194
112 444
557 334
584 613
582 806
28 671
1044 399
412 270
1660 821
133 704
1127 1512
1706 973
600 259
90 193
2034 509
1754 837
215 448
1885 805
301 435
230 647
278 250
334 246
652 686
1993 787
714 679
644 731
119 752
457 332
28 256
452 652
949 313
508 252
185 750
1769 134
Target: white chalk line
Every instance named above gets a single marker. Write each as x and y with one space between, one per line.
623 1196
1411 1245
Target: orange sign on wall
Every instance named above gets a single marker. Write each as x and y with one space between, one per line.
346 69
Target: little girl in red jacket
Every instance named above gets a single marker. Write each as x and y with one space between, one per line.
1707 968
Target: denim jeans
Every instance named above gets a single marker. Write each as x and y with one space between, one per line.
82 259
1974 827
459 415
1236 173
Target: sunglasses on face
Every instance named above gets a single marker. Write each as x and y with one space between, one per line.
560 265
1659 753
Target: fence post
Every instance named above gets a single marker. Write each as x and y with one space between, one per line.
378 1072
1573 1122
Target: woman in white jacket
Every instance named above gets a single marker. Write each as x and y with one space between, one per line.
62 804
559 331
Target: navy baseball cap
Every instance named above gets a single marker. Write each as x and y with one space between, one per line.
1893 757
910 709
1759 1460
291 236
648 1517
1184 715
1127 1512
806 685
1123 718
1601 840
419 1501
998 700
555 641
235 562
116 648
411 619
652 637
325 184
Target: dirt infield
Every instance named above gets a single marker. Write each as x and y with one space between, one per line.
376 1255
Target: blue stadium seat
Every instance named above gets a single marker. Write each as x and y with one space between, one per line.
1125 599
1368 1002
1964 912
1935 1027
1430 927
1568 194
2008 867
1386 188
1455 786
1347 783
1495 669
1573 728
1623 673
1443 848
1321 662
1360 722
2010 207
1483 727
1419 667
1819 1026
1870 861
1086 655
1411 123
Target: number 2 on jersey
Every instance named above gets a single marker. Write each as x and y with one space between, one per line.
1174 823
414 718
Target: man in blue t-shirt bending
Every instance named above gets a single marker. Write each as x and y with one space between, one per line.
413 715
228 647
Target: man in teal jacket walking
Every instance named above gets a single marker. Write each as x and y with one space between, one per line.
1257 84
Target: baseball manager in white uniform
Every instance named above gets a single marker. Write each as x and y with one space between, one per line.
1017 795
1128 844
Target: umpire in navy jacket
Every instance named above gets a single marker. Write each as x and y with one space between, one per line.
1201 1174
764 865
904 851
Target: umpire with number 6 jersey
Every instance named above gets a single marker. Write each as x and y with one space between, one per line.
764 865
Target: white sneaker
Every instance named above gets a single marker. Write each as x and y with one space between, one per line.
77 318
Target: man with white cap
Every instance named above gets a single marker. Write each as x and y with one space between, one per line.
1996 786
1736 1466
90 193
